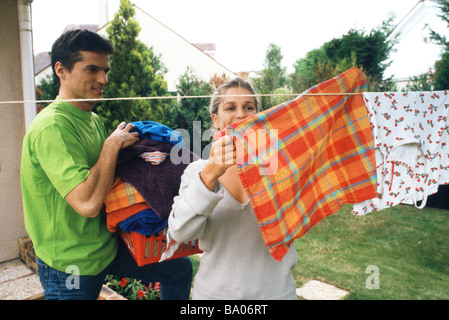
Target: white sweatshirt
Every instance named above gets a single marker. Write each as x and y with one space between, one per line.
236 263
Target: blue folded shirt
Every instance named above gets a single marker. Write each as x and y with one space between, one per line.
145 222
158 132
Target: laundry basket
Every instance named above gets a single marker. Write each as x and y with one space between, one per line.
149 249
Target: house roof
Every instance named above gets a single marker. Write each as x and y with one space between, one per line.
205 46
41 61
90 27
176 52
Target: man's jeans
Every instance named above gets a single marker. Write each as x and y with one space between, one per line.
175 277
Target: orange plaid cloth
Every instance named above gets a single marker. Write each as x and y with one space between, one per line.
113 218
122 202
121 195
306 158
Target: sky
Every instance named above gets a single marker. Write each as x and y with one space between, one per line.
241 29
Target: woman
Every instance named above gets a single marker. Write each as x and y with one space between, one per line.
212 206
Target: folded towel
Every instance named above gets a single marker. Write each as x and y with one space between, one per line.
121 195
114 218
158 185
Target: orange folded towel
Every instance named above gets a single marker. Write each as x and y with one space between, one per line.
121 195
115 217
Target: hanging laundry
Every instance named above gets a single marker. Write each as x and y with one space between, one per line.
158 132
411 135
158 185
317 155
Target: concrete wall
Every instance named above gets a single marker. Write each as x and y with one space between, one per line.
12 130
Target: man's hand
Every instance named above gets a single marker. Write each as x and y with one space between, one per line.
123 137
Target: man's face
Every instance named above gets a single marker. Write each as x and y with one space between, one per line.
86 80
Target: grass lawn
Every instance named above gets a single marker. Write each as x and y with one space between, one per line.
410 248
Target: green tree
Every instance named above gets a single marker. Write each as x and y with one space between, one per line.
305 70
422 82
367 51
274 77
192 115
47 89
438 38
441 75
135 72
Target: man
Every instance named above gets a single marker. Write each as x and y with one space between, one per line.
68 165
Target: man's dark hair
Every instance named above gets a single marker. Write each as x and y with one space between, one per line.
66 49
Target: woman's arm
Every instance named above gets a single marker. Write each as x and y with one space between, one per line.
200 191
193 205
222 156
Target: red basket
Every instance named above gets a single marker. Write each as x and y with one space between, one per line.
149 249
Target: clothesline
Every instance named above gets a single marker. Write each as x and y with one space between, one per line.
181 97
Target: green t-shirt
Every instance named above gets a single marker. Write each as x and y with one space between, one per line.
60 146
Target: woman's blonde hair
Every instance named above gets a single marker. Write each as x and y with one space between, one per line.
236 82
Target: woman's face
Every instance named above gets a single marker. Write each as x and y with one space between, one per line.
234 108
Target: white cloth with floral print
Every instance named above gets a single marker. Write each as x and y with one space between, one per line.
411 136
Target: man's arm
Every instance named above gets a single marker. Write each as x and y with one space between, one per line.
87 198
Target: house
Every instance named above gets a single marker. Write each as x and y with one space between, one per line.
16 84
176 52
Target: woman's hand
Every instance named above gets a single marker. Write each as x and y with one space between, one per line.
222 156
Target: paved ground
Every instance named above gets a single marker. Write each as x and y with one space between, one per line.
317 290
18 282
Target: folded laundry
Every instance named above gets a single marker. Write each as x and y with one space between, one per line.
155 157
158 132
121 195
141 197
114 218
145 222
126 209
158 185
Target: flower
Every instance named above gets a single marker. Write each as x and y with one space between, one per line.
123 282
133 289
140 294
